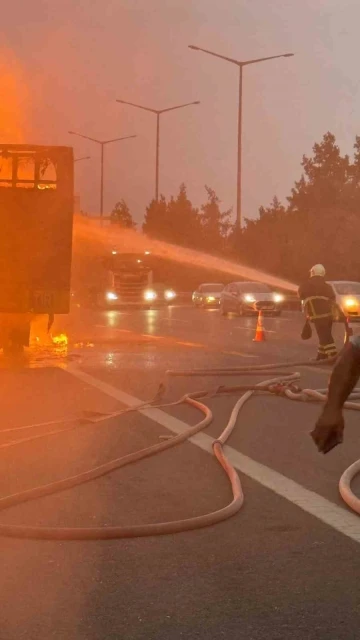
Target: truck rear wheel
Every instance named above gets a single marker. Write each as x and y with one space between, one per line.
15 338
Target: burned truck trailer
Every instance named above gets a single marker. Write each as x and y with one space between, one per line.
36 213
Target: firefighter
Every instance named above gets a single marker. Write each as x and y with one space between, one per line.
329 428
319 302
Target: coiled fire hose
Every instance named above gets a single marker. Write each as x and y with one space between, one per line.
283 384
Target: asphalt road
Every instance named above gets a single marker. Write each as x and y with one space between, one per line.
286 567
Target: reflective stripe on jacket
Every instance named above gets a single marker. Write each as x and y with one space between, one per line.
318 297
312 303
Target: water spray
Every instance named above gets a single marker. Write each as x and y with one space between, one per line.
89 236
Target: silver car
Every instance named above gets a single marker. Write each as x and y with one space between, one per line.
207 294
347 298
248 298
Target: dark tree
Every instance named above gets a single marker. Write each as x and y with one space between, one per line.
325 178
184 220
214 222
156 222
121 216
321 223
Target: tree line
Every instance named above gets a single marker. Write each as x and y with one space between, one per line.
177 221
320 221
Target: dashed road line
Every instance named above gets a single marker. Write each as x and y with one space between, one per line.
106 326
170 320
253 328
239 353
192 344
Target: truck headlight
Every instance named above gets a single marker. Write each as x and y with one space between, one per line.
210 299
169 294
150 294
111 296
278 297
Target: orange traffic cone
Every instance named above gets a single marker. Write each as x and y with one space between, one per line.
260 332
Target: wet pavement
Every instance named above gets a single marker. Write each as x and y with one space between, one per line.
285 567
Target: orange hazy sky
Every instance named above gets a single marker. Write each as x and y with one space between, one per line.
63 64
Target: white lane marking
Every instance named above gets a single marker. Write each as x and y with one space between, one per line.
174 320
239 353
334 516
196 345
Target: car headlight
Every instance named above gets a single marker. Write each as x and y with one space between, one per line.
111 295
150 294
278 297
249 298
350 302
210 299
169 294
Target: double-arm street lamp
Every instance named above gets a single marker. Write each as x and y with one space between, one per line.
240 64
158 113
102 143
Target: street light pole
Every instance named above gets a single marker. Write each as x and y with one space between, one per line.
157 157
102 180
241 64
102 143
239 154
158 113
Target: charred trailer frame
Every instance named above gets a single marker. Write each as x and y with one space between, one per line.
36 217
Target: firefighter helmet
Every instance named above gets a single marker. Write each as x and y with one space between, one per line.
317 270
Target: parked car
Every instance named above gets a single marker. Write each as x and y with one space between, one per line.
207 294
347 298
247 298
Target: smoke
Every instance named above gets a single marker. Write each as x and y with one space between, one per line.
14 99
